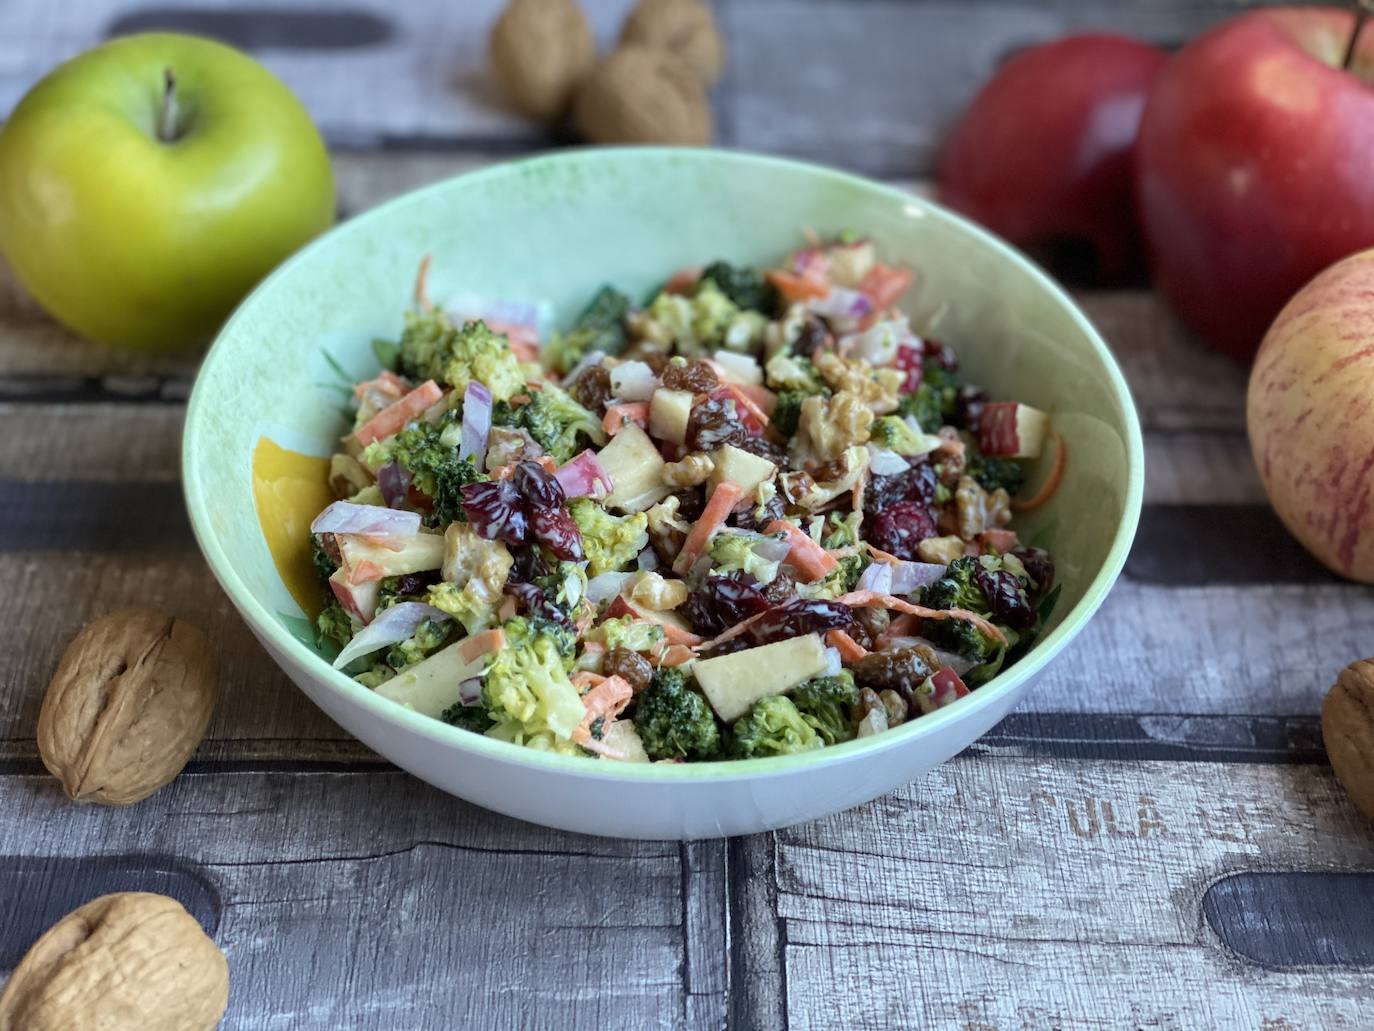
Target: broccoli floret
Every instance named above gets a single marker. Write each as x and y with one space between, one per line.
786 372
992 473
333 626
933 404
432 348
623 632
601 327
674 721
609 542
840 580
957 589
746 287
734 552
522 631
565 585
555 420
705 321
893 433
825 703
844 532
408 587
429 636
963 638
430 455
324 565
528 694
787 414
772 727
469 717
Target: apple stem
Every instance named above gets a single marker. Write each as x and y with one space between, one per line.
167 116
1363 8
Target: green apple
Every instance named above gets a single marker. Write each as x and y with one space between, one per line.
148 184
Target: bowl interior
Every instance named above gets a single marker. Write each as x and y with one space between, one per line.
553 229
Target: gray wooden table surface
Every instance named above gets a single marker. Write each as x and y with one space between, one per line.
1154 840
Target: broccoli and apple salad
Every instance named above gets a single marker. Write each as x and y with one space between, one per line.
756 514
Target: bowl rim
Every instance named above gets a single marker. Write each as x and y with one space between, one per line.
278 639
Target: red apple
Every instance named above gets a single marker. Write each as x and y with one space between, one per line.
1043 155
1256 167
1310 412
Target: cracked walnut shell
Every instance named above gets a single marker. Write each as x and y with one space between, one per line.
1348 732
133 961
686 29
129 703
540 51
639 95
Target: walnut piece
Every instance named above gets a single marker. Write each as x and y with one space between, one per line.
129 703
684 29
126 962
653 592
639 95
833 424
541 50
1348 731
694 469
879 390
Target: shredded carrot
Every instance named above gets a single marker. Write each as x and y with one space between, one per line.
873 600
723 499
882 556
1051 482
797 288
675 655
810 560
395 415
605 701
761 396
387 383
618 415
902 626
857 494
747 403
480 644
850 650
421 284
584 680
682 281
883 284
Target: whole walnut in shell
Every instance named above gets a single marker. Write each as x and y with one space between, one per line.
638 95
129 703
540 51
1348 732
684 29
127 962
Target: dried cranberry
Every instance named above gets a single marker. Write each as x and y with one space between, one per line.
1040 565
1006 597
694 376
537 486
722 601
554 528
918 483
968 407
909 361
798 617
899 528
690 504
592 388
942 355
537 603
496 511
713 424
780 589
529 564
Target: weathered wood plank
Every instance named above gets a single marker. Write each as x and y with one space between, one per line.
93 443
376 901
1051 895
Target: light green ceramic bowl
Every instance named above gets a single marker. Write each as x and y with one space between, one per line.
554 229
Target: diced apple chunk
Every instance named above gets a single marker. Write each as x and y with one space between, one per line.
1011 430
622 737
739 466
733 683
431 686
675 629
636 468
365 560
669 411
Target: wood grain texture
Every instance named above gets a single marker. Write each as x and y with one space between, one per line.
1040 895
378 902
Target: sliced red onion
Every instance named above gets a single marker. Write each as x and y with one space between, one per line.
391 626
842 307
588 360
807 259
476 423
885 462
606 586
771 549
742 368
393 480
509 312
878 344
633 381
907 576
368 520
648 560
470 691
585 477
876 577
834 664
